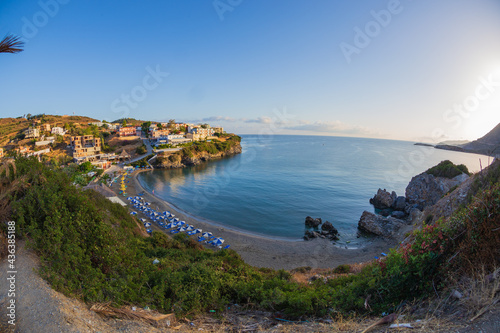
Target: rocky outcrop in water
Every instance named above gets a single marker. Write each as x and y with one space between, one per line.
383 199
327 229
312 223
379 225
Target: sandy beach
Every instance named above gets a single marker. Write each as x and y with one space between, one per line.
262 251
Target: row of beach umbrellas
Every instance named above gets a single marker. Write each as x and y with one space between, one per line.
168 221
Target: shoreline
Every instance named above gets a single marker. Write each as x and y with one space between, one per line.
264 251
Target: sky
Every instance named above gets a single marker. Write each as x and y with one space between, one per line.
407 70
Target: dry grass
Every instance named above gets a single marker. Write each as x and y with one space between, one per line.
151 317
480 293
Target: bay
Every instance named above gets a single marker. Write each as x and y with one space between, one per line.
278 180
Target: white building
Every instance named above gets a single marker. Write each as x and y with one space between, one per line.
31 133
58 130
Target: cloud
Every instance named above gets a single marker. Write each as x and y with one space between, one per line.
337 127
260 120
219 118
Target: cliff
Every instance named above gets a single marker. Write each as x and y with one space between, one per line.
486 145
198 153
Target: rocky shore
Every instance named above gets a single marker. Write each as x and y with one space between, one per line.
424 193
182 159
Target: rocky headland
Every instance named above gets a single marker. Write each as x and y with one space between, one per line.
199 153
427 195
486 145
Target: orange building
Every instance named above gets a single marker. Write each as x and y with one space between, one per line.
127 131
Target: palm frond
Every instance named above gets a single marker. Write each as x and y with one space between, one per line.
11 44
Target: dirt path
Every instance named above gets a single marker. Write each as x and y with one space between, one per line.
40 309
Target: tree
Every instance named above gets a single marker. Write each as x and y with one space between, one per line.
86 167
124 122
171 123
160 126
11 44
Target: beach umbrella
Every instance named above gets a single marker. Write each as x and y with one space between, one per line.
189 228
133 213
143 220
197 231
207 234
170 225
218 241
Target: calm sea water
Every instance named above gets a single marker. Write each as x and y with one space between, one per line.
279 180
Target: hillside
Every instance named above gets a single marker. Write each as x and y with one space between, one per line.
10 127
488 144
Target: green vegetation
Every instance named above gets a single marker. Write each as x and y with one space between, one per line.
448 170
145 128
143 162
141 150
93 249
213 147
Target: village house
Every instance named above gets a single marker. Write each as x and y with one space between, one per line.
127 131
202 132
85 145
113 126
177 139
97 123
159 133
45 127
58 130
193 137
31 133
218 129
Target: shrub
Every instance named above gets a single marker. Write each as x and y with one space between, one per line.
447 169
342 269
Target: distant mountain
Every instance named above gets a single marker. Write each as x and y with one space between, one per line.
488 144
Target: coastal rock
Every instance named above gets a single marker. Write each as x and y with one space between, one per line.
312 223
383 199
330 230
378 225
414 215
311 235
400 203
384 212
425 190
397 214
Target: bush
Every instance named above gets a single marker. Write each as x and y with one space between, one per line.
141 150
342 269
448 170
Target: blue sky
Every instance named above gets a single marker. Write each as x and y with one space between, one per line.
411 70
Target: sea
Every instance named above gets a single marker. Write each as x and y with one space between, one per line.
278 180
